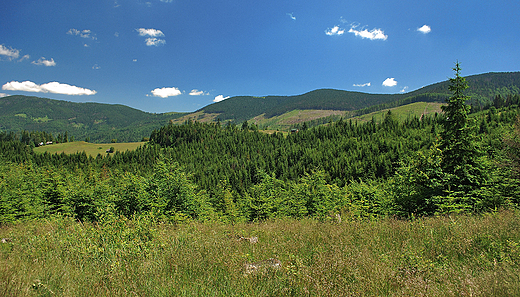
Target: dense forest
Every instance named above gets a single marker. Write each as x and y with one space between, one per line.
456 161
94 122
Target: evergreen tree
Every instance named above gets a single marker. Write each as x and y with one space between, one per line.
461 156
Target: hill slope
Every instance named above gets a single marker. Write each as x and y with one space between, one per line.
483 88
104 122
96 121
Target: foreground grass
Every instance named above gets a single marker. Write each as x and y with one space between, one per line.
92 149
442 256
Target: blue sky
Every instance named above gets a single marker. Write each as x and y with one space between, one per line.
180 55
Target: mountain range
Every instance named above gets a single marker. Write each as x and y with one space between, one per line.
104 122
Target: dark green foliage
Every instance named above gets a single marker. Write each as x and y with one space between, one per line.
95 121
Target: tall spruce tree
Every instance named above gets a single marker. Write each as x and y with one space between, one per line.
460 153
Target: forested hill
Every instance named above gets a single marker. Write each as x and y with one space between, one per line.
96 121
483 88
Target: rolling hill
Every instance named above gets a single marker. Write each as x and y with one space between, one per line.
104 122
95 121
483 88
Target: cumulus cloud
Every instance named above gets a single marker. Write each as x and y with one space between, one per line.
335 31
374 34
52 87
196 92
9 52
166 92
152 40
149 32
390 82
362 85
155 41
425 29
220 98
44 62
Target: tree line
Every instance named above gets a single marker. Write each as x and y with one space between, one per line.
456 161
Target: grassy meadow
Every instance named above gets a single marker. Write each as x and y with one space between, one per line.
92 149
474 255
401 113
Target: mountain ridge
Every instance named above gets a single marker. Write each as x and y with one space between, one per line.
100 122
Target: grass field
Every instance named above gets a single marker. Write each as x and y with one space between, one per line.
477 255
92 149
401 113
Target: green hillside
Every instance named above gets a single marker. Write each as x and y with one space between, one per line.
95 121
483 88
105 123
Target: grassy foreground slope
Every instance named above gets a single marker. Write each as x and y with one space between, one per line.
438 256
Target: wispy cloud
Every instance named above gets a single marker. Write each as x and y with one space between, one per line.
152 40
96 66
82 33
155 41
44 62
404 89
336 30
196 92
166 92
291 15
220 98
390 82
52 87
425 29
362 85
9 52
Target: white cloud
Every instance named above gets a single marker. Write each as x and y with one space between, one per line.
25 57
116 34
291 15
83 33
166 1
154 41
196 92
9 52
153 33
372 35
425 29
220 98
3 95
335 31
149 32
166 92
390 82
42 61
404 89
96 66
52 87
362 85
134 60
